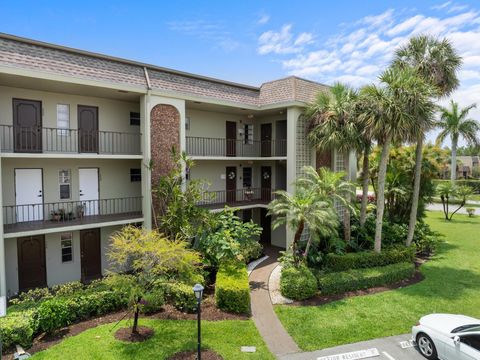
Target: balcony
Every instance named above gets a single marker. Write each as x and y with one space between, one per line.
236 198
30 217
16 139
201 146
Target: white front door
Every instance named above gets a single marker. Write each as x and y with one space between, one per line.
28 194
88 180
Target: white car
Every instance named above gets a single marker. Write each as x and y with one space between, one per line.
448 337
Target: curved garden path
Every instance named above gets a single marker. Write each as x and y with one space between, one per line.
276 337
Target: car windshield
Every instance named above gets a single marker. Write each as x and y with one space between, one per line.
463 328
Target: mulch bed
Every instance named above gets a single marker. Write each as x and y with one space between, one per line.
325 299
125 334
209 313
192 355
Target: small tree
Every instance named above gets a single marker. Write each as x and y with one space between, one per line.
176 199
228 238
447 191
311 206
150 256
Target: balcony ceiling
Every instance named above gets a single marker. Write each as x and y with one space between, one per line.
233 110
68 88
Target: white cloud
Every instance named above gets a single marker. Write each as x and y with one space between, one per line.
283 41
441 6
263 19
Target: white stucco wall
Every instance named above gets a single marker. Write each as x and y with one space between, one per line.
114 177
57 272
113 115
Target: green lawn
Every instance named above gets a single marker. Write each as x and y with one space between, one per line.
171 336
452 285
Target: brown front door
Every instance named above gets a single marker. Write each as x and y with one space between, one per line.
266 224
87 129
231 138
266 139
266 173
231 185
27 126
91 262
31 262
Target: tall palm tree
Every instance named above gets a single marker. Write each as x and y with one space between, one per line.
455 123
391 111
304 208
437 62
333 127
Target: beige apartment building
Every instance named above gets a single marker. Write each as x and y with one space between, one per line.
78 129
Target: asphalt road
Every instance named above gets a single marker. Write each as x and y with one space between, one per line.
388 348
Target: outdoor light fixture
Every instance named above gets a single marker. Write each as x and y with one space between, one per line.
198 291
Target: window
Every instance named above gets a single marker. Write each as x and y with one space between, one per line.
248 137
67 247
187 123
471 340
247 177
63 119
64 180
135 118
135 175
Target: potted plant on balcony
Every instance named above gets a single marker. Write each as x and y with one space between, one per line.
248 194
56 215
80 211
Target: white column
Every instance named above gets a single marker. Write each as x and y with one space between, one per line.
146 173
3 278
292 121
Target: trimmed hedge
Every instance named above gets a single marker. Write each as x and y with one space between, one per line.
340 282
18 328
298 283
368 259
181 296
232 291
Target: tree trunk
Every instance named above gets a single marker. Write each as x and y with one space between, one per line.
453 165
365 182
382 173
135 320
416 190
296 239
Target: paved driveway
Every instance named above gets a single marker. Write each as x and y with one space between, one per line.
388 348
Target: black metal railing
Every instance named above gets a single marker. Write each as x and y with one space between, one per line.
54 140
237 197
69 211
202 146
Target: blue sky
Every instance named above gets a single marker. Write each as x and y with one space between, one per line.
256 41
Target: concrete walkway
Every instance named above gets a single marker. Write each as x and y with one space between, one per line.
270 328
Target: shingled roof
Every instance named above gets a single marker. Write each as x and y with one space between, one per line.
38 56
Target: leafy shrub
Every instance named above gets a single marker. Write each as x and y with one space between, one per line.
153 301
426 240
32 296
298 283
181 296
18 328
228 238
368 259
232 292
54 314
470 211
356 279
68 288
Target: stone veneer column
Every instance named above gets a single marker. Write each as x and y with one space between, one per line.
164 136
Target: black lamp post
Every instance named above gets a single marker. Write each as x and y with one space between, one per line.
198 291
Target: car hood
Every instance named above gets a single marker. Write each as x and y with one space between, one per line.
445 323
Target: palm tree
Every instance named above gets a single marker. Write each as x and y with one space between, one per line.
306 208
333 127
437 62
391 111
455 123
